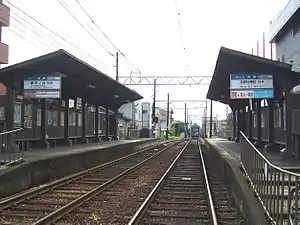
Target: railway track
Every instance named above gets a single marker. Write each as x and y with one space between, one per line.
118 204
188 194
50 202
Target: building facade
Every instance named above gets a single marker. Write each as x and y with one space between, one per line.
161 126
4 22
143 114
139 113
285 33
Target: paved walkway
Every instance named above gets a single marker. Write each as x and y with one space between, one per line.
38 154
234 149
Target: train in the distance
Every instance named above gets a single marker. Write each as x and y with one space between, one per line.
195 131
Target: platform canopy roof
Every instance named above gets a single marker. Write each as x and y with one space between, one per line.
79 79
230 61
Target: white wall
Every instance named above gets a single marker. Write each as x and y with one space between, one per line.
133 111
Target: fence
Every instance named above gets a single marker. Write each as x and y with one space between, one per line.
225 133
275 188
10 150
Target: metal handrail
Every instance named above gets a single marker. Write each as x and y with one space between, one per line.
267 161
210 199
11 131
277 189
10 152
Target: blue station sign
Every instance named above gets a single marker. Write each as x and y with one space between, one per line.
42 87
251 86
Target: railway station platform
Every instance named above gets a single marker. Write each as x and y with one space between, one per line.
45 165
270 175
234 149
40 154
227 163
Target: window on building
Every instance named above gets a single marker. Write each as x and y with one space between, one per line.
79 115
277 117
62 119
28 110
70 119
27 116
74 119
254 119
263 124
284 116
296 28
52 118
39 117
17 115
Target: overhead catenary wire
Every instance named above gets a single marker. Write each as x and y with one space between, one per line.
104 34
41 31
20 35
179 23
50 30
88 15
178 15
28 29
65 6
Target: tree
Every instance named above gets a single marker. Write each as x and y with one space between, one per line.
177 128
172 131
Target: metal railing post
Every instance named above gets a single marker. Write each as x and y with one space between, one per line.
271 183
10 152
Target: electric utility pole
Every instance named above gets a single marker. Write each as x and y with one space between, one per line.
185 114
153 107
205 120
117 66
210 122
117 79
168 116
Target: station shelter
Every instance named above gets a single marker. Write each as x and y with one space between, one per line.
58 98
268 121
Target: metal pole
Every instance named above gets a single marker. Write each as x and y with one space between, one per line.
168 117
117 66
142 117
133 115
153 106
205 121
257 48
271 49
210 122
117 79
264 45
185 120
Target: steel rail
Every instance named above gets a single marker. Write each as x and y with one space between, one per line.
59 213
210 199
7 202
142 209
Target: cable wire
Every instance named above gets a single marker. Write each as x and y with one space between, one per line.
51 31
103 33
65 6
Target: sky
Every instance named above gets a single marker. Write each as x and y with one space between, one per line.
148 33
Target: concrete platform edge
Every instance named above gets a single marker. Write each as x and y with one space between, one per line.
34 173
243 194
